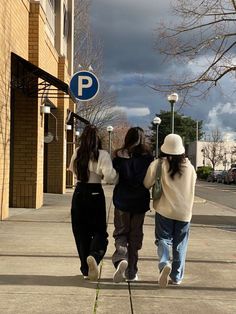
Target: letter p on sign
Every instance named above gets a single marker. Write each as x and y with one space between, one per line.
84 82
84 85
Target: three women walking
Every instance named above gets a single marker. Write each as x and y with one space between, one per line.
134 165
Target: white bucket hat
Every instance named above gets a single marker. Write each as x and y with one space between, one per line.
173 145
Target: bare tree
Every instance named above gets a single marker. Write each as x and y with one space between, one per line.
101 111
118 135
88 52
233 155
205 30
213 150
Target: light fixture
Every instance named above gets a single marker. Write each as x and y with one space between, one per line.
110 128
68 127
77 133
157 120
45 109
173 97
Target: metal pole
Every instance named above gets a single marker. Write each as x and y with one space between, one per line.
196 131
172 117
109 143
196 157
157 141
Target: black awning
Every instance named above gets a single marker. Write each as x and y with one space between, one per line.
71 115
35 82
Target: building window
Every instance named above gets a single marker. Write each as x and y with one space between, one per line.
65 22
50 15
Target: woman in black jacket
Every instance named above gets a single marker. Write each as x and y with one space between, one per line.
131 200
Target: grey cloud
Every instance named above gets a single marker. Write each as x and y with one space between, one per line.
126 29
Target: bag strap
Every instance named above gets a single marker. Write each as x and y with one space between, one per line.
159 168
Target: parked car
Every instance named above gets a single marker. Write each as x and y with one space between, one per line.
220 177
212 176
230 176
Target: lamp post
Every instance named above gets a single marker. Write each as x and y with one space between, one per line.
110 130
157 122
172 98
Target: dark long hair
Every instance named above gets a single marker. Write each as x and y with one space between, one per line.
175 164
90 144
134 142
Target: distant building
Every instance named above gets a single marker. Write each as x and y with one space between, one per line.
36 63
195 152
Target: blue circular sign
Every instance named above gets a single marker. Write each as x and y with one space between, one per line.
84 85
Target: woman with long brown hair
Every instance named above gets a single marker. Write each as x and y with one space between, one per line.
90 164
131 200
173 208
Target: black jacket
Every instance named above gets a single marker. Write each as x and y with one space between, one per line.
130 194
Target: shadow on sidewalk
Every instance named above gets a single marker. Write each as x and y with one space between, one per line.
223 222
104 283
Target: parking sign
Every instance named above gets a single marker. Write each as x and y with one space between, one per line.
84 85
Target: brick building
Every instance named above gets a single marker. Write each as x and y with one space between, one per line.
36 58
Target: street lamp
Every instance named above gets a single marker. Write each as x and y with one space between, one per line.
110 130
157 122
172 98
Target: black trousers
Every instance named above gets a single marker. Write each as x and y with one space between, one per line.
128 235
88 216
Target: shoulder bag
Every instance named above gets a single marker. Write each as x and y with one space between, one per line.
157 188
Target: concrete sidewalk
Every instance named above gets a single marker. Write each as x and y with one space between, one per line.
39 267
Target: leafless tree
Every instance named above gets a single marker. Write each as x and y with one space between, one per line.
233 155
102 110
88 52
118 135
204 35
213 150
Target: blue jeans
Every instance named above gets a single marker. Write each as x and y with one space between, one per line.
171 233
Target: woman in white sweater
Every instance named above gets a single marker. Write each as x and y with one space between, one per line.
173 209
90 164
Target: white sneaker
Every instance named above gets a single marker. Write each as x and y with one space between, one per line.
175 283
92 268
163 279
120 271
133 279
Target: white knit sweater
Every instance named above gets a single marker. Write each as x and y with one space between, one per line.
177 198
102 169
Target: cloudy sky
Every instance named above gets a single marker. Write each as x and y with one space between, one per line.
126 28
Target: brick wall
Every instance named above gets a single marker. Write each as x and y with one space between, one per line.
23 31
13 21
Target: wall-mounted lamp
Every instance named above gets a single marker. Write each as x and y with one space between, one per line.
45 109
68 127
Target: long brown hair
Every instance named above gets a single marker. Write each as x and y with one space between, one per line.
90 144
134 142
175 164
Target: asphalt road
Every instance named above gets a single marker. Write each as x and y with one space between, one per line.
217 192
